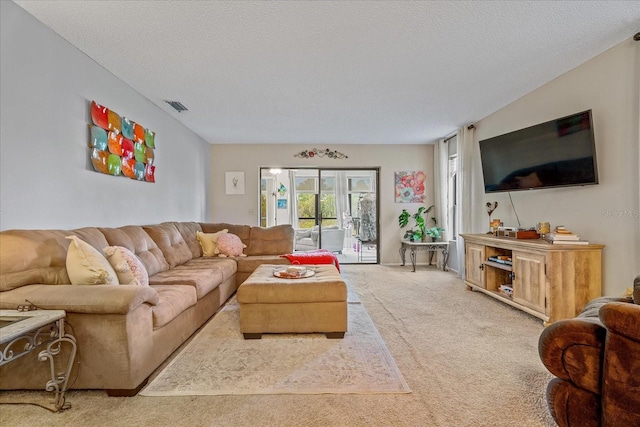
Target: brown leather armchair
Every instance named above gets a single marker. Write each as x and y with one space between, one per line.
596 359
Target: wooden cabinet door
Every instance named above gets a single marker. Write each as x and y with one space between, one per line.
474 264
530 281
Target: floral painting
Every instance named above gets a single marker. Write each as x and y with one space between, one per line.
409 187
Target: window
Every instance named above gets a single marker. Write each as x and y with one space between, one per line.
263 202
358 186
306 189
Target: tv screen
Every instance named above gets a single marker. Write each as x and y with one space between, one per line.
556 153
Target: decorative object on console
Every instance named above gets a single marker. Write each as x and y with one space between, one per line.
409 187
562 236
543 228
310 154
491 206
120 146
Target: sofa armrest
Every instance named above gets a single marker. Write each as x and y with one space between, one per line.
302 233
92 299
572 350
622 318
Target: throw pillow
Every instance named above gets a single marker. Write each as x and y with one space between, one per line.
208 242
87 266
230 245
127 265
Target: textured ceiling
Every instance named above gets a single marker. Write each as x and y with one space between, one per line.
337 72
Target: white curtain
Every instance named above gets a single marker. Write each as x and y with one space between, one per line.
342 197
293 200
440 185
465 190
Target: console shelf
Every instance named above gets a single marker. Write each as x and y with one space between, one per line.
551 282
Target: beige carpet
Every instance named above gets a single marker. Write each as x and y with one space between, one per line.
469 360
219 361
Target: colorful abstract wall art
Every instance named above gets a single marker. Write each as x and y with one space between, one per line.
120 146
409 187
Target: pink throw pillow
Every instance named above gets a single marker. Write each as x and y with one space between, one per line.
127 265
230 245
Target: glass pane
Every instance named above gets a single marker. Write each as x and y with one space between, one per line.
306 204
305 184
263 209
328 206
328 184
360 184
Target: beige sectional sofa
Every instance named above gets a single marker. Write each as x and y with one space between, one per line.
124 332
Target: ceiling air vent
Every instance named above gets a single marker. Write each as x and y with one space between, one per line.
177 106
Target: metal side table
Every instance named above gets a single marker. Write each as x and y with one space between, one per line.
432 247
21 332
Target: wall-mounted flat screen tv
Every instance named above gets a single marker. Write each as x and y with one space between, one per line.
557 153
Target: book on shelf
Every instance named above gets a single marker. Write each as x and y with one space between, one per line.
563 236
506 290
568 242
501 259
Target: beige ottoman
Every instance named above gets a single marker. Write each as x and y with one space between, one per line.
269 304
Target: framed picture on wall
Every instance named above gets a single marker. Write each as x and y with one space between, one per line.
410 187
234 182
282 203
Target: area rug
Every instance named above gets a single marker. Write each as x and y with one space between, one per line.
219 361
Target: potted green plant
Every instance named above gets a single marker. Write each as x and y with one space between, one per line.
434 232
419 231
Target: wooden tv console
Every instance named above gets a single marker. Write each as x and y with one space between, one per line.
549 281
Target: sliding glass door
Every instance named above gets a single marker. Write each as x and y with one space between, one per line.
331 209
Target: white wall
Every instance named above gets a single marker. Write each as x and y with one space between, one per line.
607 213
46 180
390 158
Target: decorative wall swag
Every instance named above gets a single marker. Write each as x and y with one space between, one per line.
310 154
120 146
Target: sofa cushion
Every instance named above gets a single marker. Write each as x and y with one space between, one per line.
242 231
203 280
227 267
274 240
134 238
127 265
170 241
209 242
173 300
188 231
87 266
33 256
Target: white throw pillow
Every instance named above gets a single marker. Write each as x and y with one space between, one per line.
87 266
127 265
